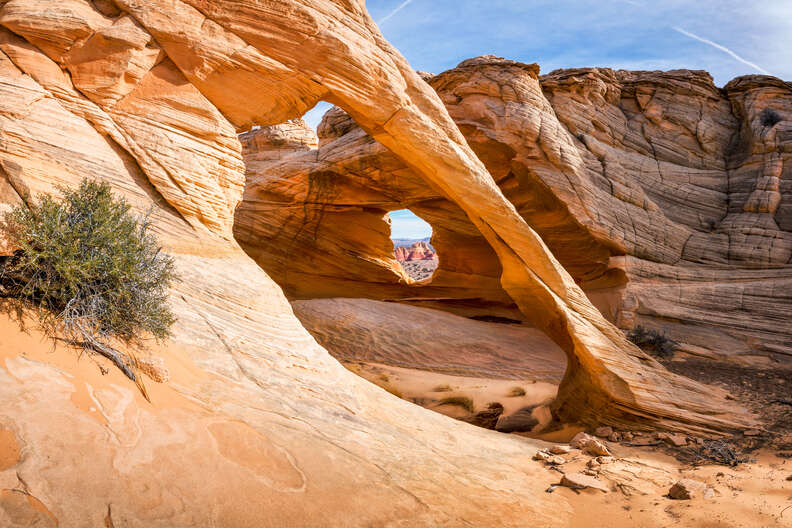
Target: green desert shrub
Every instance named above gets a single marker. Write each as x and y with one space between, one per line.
770 117
92 270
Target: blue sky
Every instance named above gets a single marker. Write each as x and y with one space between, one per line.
728 38
404 224
436 35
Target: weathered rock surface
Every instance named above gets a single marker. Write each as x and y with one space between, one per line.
288 436
413 337
149 96
581 481
639 182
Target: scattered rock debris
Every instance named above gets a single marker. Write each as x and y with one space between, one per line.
589 444
548 458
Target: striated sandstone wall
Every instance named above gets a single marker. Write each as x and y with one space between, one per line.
662 195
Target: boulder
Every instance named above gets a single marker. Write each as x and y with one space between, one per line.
522 421
674 440
603 432
589 444
686 489
580 440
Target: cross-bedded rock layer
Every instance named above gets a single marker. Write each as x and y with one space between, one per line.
661 194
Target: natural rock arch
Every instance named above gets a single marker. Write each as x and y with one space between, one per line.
266 62
609 379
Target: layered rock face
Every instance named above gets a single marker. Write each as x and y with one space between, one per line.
416 251
149 96
661 194
408 336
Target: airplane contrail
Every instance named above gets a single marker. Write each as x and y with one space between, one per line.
722 48
399 8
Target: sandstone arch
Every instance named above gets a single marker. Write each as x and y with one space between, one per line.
609 379
296 54
149 95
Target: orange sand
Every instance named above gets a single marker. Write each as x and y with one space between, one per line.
85 372
754 495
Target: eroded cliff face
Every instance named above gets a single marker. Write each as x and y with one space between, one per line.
149 96
661 194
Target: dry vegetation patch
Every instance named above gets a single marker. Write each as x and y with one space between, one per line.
460 401
92 272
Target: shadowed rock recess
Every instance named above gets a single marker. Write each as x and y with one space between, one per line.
259 426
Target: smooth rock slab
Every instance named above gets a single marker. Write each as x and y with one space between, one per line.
582 481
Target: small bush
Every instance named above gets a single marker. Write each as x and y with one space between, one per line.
91 269
516 392
460 401
770 117
442 388
653 342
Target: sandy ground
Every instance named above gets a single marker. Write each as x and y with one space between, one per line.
91 372
756 494
428 388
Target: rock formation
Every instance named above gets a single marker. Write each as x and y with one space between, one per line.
645 203
149 96
643 185
416 251
413 337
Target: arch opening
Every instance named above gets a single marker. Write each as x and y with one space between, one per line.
437 340
412 245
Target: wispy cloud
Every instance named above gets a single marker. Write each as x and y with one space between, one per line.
722 48
392 13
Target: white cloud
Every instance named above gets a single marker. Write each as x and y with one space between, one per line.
392 13
722 48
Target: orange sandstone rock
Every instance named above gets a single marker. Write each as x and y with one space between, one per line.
148 96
